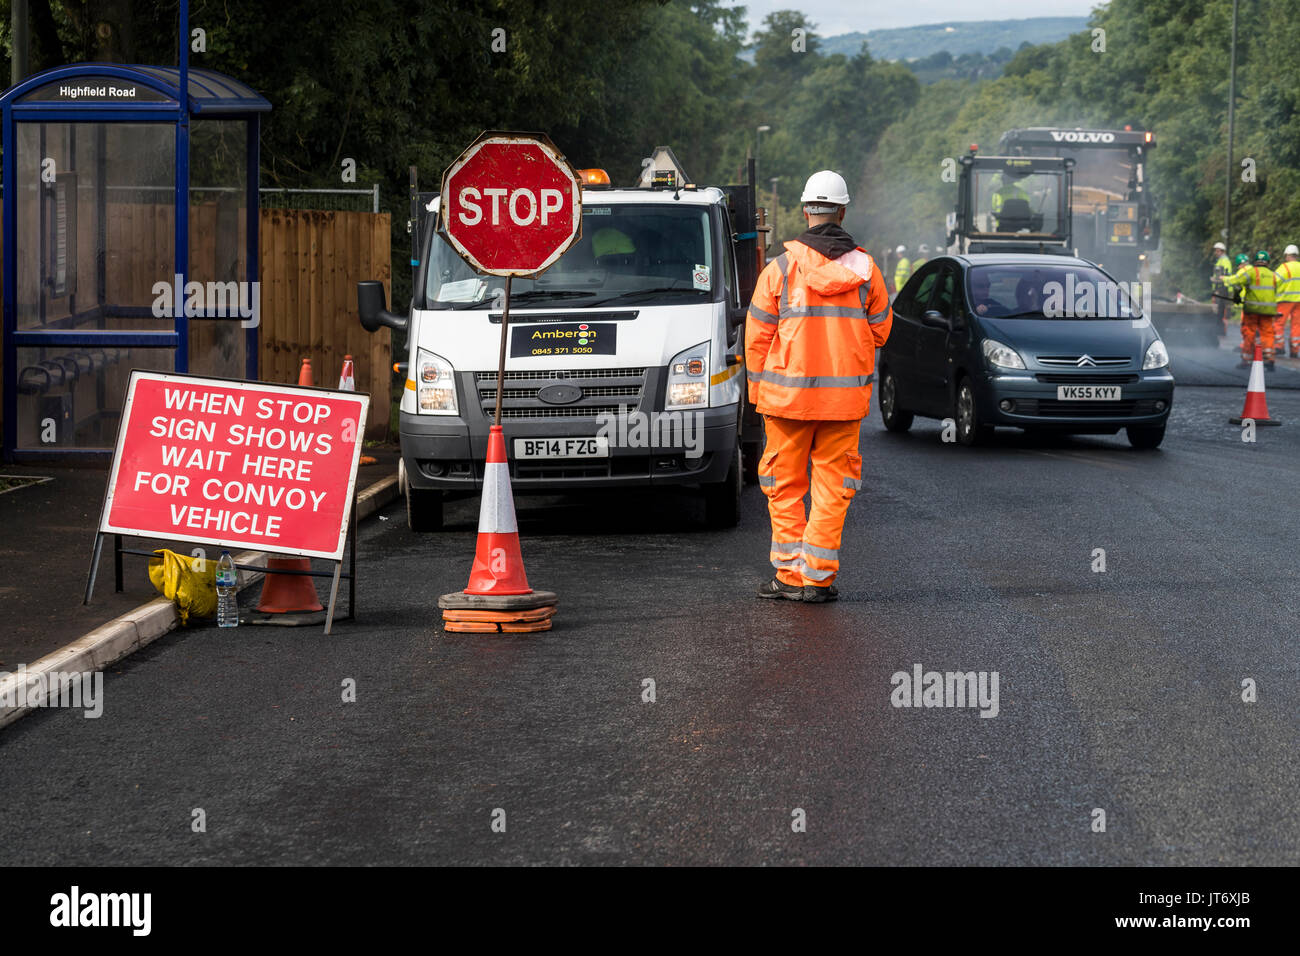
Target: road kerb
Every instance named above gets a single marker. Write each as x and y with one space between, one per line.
141 626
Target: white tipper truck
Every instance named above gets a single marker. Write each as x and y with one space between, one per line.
625 361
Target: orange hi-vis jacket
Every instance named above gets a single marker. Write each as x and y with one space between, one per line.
813 328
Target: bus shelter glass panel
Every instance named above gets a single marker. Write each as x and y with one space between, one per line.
228 303
70 397
95 220
96 224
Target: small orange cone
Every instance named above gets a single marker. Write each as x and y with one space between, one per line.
347 378
304 373
498 564
1256 408
288 593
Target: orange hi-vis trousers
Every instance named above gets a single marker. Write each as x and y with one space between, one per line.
1252 325
1287 311
806 547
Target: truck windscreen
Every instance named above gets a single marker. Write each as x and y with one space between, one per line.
646 254
1006 202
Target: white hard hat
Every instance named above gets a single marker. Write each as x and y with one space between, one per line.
825 187
1219 245
923 248
901 249
1291 250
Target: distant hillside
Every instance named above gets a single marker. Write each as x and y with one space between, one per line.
977 36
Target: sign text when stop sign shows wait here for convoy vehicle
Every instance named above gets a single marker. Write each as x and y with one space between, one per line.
513 204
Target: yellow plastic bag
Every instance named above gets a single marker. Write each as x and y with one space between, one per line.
192 591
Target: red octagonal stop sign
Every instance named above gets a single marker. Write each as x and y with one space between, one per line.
511 204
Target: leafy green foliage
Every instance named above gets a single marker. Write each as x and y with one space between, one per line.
392 85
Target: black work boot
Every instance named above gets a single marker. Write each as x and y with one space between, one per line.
774 589
812 594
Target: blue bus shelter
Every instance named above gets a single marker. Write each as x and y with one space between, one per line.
113 260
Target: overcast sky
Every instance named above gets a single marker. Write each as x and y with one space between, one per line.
845 16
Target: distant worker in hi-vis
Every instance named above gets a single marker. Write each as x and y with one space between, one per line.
819 312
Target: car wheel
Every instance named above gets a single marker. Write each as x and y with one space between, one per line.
722 500
970 431
423 509
1145 436
895 419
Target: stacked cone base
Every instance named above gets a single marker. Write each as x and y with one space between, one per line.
1257 421
497 613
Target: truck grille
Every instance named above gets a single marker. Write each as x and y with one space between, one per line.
599 385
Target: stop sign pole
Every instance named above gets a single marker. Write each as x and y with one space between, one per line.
511 206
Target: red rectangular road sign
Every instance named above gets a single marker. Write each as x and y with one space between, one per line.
236 464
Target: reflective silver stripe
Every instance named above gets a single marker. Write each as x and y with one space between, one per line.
787 547
762 316
854 483
836 311
815 381
879 316
788 563
862 293
815 574
824 553
767 481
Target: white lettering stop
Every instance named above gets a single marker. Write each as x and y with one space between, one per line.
471 213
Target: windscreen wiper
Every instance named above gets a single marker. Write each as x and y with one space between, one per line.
657 291
552 293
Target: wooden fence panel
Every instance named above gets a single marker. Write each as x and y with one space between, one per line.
311 261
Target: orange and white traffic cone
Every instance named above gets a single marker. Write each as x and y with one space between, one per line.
304 374
347 379
1256 408
498 563
498 598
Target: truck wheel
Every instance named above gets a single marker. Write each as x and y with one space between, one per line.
423 509
722 500
895 419
1145 437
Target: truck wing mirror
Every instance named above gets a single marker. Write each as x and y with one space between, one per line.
934 319
372 306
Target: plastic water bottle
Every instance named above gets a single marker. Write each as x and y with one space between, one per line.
227 592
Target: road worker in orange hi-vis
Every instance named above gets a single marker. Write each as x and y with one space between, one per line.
819 312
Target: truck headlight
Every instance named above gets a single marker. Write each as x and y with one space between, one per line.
1157 356
688 378
1002 356
435 384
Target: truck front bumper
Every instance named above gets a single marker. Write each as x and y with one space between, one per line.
448 453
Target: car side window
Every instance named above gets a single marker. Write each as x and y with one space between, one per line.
916 293
946 297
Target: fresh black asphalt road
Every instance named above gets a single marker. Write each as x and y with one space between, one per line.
1119 691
